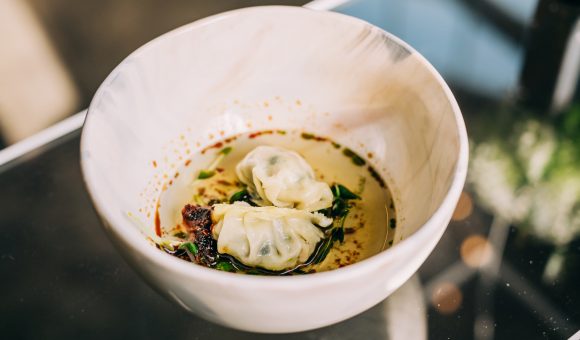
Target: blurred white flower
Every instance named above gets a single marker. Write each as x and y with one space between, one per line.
531 180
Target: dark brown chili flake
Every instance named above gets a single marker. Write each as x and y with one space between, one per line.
310 136
260 133
224 182
196 217
198 222
377 177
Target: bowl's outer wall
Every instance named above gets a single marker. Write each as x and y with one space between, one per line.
272 310
316 71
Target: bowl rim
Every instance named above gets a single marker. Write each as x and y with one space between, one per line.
134 239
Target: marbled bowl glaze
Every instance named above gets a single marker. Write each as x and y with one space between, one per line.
275 68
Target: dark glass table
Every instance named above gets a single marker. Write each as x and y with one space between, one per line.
508 265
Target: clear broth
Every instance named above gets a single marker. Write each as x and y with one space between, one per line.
369 227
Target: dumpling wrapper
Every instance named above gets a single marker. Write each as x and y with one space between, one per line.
282 178
268 237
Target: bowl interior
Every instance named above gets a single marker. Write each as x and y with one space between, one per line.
270 68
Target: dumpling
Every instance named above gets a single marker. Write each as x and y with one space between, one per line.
282 178
267 237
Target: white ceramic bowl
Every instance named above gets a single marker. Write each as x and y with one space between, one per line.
323 72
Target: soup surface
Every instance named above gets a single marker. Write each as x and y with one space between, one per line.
209 178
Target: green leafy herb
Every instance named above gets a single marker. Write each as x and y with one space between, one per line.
323 250
203 174
180 234
167 247
338 235
242 196
340 208
344 193
225 266
340 204
189 247
307 135
210 171
338 211
225 151
239 196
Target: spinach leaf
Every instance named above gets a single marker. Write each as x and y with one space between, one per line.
242 196
189 247
180 234
225 266
203 174
225 150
